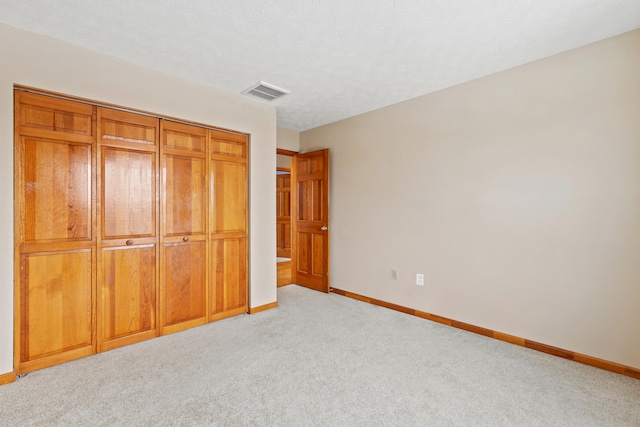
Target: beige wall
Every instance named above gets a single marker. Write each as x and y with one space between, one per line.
288 139
517 195
33 60
283 161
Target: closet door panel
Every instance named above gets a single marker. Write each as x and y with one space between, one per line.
56 191
184 286
184 216
41 115
229 276
127 304
55 223
128 193
122 128
229 199
184 137
228 145
55 307
128 243
185 195
228 283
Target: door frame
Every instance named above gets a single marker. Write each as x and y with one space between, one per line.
294 248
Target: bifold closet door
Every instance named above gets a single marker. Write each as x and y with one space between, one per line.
228 238
127 226
55 231
128 237
184 220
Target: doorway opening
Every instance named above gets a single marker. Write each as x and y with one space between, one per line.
304 207
283 216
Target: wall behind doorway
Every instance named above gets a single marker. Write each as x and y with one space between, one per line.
288 139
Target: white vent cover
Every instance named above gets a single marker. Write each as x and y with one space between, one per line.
265 91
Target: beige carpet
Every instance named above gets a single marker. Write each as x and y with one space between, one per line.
322 360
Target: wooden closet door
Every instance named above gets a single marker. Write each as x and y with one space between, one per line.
229 200
184 226
128 238
55 231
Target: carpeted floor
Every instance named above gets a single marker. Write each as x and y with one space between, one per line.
322 360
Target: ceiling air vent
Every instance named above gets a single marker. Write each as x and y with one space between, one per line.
265 91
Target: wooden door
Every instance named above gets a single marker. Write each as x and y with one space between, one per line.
310 220
55 230
183 292
228 282
128 237
283 215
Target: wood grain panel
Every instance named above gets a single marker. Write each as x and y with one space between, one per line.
317 259
303 212
128 193
56 303
56 190
283 216
127 303
184 282
228 197
303 256
185 195
54 115
120 128
555 351
317 193
283 190
184 137
303 166
228 275
283 240
229 148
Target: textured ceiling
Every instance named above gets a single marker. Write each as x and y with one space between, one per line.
337 58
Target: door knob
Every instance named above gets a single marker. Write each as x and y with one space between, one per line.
324 228
185 239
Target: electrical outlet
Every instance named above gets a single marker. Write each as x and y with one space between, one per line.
420 279
394 274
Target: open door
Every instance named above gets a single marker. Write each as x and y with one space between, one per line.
310 219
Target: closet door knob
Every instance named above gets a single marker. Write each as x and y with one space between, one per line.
185 239
129 242
324 228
